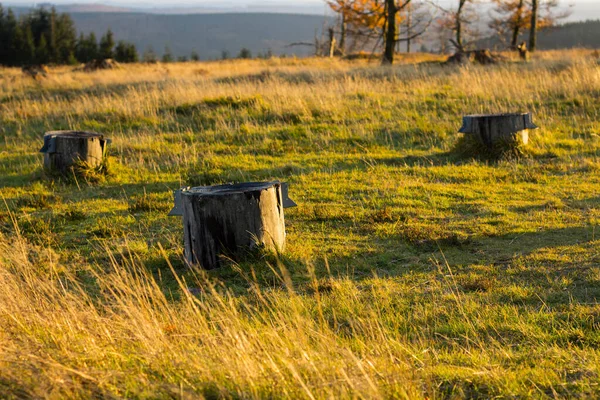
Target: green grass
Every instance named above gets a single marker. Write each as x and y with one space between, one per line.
411 269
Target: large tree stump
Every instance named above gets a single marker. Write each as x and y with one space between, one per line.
230 220
491 129
65 149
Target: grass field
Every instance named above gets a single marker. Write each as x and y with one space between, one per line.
412 270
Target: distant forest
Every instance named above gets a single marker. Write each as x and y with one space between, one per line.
43 36
576 34
584 34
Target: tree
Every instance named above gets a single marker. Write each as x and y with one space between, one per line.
42 55
107 43
167 55
4 37
390 31
28 47
533 25
194 56
49 35
13 43
44 36
149 56
377 20
244 53
54 55
87 49
126 52
510 18
459 21
64 38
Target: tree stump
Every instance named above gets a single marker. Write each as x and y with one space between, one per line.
65 149
230 220
492 129
523 52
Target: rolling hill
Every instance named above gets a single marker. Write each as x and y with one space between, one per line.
207 34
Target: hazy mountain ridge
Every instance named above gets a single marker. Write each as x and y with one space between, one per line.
210 34
207 34
281 8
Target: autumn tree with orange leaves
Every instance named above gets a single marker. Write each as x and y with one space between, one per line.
513 17
375 19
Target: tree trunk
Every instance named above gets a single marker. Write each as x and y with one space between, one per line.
343 35
390 32
331 43
517 25
533 29
230 220
408 29
458 26
64 149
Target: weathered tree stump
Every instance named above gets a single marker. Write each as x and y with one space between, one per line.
492 129
230 220
65 149
523 52
484 57
35 71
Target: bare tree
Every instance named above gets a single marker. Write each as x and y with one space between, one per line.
458 21
509 17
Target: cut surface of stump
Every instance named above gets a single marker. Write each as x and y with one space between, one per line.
65 149
491 129
231 220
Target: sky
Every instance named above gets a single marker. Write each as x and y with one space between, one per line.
214 3
162 3
218 3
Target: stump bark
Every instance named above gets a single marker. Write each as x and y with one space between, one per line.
230 220
65 149
484 57
494 128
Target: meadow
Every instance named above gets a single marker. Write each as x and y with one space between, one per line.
412 269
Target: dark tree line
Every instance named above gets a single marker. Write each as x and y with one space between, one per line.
46 37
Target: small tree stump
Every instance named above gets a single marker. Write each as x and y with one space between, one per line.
494 128
230 220
523 53
64 149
